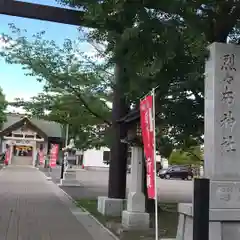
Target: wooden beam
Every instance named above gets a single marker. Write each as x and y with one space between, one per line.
26 139
42 12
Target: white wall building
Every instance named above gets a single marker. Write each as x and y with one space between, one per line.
100 158
164 163
96 158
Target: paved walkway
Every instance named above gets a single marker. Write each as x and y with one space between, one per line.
168 190
31 209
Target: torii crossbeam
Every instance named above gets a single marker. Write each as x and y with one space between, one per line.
42 12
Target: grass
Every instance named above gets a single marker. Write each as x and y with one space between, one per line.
168 220
91 206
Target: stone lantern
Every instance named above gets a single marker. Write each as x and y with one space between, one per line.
135 216
134 135
70 153
69 174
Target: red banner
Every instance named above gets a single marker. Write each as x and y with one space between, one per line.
41 157
7 156
54 155
146 116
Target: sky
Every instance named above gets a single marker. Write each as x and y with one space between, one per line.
12 77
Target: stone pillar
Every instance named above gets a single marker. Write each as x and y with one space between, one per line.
222 145
135 217
45 147
11 152
34 152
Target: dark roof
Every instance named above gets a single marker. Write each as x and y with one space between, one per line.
23 122
131 117
51 129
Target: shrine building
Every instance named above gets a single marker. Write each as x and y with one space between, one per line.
24 136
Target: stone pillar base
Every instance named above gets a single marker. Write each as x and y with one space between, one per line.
70 175
70 183
135 220
110 206
70 179
224 224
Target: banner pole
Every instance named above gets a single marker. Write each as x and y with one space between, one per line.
155 165
142 97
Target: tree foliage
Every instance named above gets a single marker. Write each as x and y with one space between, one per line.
164 44
194 156
3 105
76 90
160 51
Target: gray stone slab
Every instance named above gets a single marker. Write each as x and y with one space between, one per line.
70 175
225 194
70 183
222 113
33 209
110 206
135 220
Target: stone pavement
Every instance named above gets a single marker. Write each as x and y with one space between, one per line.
32 208
86 191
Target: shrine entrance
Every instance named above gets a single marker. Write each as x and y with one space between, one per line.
23 138
22 155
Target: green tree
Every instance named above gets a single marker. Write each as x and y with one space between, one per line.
75 89
88 131
3 105
160 51
193 155
178 157
164 43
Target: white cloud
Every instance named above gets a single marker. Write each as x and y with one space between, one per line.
16 110
93 51
5 42
11 98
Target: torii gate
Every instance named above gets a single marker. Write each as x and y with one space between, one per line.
41 12
117 174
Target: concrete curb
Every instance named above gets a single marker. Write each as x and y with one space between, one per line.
90 215
96 220
85 212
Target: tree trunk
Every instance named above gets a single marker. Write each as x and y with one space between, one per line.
118 163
